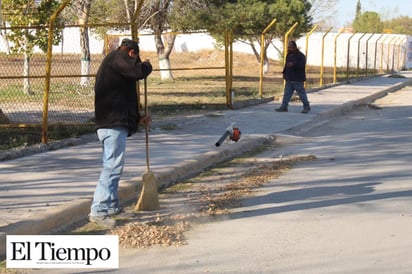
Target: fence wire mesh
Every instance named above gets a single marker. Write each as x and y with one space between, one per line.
198 82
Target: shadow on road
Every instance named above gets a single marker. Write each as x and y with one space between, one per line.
362 193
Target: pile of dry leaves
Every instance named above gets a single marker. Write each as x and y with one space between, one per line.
208 196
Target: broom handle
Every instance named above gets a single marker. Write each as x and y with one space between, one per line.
146 112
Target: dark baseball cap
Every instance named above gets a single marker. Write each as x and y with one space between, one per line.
130 44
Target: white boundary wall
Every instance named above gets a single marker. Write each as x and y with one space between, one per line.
376 43
409 53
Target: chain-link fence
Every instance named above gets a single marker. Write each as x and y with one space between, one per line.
69 110
197 79
197 82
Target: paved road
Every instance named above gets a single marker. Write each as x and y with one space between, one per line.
349 211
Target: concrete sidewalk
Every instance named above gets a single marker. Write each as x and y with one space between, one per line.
45 192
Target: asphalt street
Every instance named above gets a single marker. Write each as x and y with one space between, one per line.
349 211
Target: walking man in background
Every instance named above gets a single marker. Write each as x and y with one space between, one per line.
117 117
295 75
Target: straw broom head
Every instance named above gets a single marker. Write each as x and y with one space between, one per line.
148 199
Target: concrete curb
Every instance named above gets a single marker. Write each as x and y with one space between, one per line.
53 221
324 116
64 216
67 215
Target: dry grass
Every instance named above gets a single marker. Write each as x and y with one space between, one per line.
199 82
199 86
199 78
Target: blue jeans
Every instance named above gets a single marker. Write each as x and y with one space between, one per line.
288 92
106 198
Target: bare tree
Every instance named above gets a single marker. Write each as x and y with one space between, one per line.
83 15
155 15
323 13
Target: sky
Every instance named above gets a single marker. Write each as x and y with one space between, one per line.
387 9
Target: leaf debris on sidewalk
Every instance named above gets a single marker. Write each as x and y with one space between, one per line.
199 200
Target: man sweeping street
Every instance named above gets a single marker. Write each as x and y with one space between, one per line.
117 117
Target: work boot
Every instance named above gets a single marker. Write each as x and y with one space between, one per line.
115 211
282 109
306 110
104 221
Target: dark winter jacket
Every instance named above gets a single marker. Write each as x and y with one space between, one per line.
297 71
116 102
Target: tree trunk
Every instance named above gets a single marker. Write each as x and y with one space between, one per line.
257 55
84 42
266 65
26 73
163 54
3 31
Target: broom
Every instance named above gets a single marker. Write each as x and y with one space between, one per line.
149 198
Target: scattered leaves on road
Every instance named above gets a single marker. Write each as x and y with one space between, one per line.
198 200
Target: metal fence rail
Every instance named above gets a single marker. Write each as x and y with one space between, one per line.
200 77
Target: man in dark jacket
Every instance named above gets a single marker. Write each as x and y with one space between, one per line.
294 74
117 116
